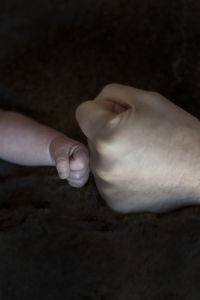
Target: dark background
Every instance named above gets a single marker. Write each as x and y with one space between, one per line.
57 242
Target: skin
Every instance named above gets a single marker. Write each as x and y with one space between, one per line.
144 150
26 142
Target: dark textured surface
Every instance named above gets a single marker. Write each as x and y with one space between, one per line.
57 242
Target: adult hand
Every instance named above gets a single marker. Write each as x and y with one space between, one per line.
144 150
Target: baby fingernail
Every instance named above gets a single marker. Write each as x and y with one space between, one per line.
63 175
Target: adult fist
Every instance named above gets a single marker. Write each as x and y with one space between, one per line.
144 150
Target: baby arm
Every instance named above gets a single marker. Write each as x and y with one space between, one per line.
24 141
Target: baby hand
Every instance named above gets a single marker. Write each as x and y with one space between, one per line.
71 159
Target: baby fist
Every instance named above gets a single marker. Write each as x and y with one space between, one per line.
71 159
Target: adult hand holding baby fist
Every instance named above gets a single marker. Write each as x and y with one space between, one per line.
144 150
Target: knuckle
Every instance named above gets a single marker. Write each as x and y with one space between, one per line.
81 164
152 95
103 174
109 87
111 147
82 181
124 207
108 148
104 171
152 98
61 163
60 159
103 147
77 176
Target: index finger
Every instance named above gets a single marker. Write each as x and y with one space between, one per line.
92 117
121 94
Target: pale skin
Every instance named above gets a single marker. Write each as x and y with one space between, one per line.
26 142
144 150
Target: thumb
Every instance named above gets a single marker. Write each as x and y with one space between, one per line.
79 159
111 103
59 150
62 166
92 117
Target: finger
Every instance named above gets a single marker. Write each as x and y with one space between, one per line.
77 175
62 165
130 96
79 182
121 94
107 107
79 159
92 117
59 150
